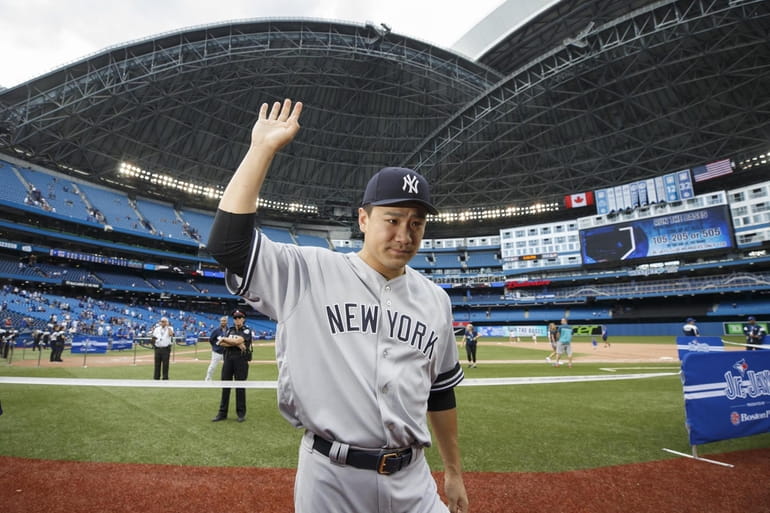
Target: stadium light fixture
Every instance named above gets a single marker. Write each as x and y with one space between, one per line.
211 192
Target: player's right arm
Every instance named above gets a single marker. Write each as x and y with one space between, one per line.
273 130
233 227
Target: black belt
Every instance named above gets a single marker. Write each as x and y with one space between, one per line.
384 461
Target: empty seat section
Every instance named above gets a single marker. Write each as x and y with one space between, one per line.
12 190
59 193
115 208
163 218
277 234
200 223
304 239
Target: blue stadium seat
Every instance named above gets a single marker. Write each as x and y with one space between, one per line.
304 239
200 222
116 209
278 234
61 194
13 190
164 219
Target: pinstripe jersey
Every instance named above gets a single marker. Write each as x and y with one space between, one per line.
357 354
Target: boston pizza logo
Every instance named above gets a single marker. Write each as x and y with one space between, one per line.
735 418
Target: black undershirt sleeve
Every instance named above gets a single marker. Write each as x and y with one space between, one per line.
442 400
230 239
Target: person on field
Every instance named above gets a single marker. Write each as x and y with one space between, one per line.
564 344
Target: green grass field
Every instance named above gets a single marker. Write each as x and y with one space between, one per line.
517 428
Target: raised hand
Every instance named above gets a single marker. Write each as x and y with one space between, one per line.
276 128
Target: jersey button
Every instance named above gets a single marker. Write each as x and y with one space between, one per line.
387 288
388 303
385 353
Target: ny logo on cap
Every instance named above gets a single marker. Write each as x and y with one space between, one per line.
410 184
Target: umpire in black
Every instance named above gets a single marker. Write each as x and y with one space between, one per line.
237 355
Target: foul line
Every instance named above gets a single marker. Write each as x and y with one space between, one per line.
559 379
147 383
616 369
742 344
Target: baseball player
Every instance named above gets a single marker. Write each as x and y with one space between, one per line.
237 354
690 329
755 334
365 347
217 351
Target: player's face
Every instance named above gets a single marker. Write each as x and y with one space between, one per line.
392 236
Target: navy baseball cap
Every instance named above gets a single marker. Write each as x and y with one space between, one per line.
751 318
238 313
391 185
690 319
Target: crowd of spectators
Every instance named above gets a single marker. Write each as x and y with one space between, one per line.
90 316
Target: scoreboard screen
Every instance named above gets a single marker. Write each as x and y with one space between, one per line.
706 229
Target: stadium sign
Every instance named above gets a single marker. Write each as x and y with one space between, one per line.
726 394
686 345
736 328
89 344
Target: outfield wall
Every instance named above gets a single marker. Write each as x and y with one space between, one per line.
672 329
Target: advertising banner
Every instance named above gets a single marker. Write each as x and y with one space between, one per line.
736 328
190 340
89 344
527 332
121 344
686 345
726 394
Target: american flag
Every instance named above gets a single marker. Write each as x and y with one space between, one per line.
709 171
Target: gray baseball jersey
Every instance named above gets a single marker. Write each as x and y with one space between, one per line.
357 354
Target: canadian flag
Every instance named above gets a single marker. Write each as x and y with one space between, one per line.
579 200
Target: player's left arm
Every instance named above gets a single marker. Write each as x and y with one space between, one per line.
444 427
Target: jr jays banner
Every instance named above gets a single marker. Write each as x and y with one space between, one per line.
726 394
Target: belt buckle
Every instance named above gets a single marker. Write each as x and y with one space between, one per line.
383 460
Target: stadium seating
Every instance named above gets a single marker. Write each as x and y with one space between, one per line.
278 234
13 190
199 221
60 194
304 239
449 260
485 259
163 219
123 281
116 208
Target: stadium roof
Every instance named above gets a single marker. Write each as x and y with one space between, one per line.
586 94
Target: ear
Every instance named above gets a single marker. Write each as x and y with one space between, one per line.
363 219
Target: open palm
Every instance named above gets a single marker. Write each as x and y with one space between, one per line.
278 126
